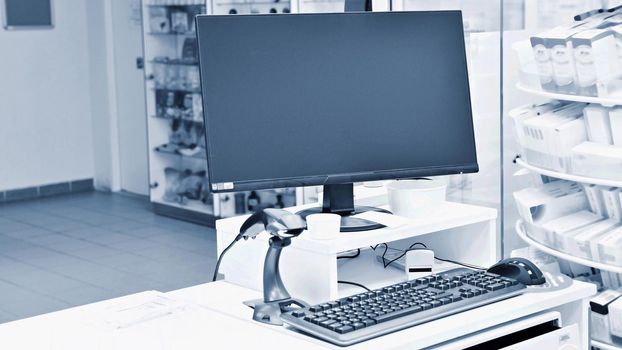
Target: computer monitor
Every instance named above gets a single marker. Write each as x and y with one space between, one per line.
334 99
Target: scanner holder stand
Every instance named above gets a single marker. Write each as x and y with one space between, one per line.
283 226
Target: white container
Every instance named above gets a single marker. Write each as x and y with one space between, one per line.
416 198
323 226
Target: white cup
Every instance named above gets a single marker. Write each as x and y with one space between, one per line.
416 198
323 226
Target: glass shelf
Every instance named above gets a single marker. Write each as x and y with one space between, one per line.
172 149
175 62
180 119
605 346
172 34
190 91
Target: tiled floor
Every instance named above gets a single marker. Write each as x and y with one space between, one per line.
75 249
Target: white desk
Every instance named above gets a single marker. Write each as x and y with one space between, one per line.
223 322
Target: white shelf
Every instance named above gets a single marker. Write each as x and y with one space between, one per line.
609 101
570 177
523 235
605 346
449 215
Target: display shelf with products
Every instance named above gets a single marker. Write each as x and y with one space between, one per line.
605 346
573 72
175 114
565 176
522 233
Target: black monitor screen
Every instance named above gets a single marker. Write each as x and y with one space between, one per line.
316 99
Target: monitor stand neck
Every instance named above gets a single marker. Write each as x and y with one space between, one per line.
339 199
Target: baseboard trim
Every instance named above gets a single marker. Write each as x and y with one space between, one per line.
85 185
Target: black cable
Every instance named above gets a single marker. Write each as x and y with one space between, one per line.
462 264
401 255
221 256
358 252
355 284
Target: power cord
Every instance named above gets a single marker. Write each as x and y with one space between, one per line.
412 247
355 284
358 252
222 255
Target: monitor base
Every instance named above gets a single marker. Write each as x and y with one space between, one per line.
348 223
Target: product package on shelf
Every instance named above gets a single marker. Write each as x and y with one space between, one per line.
552 200
580 242
158 20
597 124
600 328
549 137
597 160
611 197
595 60
556 229
595 198
187 185
615 319
581 58
607 249
615 121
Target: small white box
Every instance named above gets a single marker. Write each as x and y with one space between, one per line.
597 160
615 121
544 62
611 197
595 59
568 242
565 224
597 124
615 317
600 309
595 199
550 201
607 249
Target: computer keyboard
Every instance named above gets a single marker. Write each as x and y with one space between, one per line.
368 315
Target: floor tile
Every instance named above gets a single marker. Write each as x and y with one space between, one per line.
69 250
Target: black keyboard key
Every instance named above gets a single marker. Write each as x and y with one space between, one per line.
445 301
298 313
315 308
436 303
334 326
344 329
327 323
318 320
426 306
369 322
358 325
398 314
494 287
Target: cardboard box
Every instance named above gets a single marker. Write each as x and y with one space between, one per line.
595 59
615 122
597 124
600 309
595 199
552 200
555 229
520 114
597 160
611 198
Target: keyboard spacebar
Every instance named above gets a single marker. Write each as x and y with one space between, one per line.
398 314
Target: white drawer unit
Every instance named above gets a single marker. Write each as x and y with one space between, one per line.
543 331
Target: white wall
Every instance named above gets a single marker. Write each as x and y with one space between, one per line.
45 106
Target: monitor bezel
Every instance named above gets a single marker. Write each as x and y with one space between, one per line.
340 178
